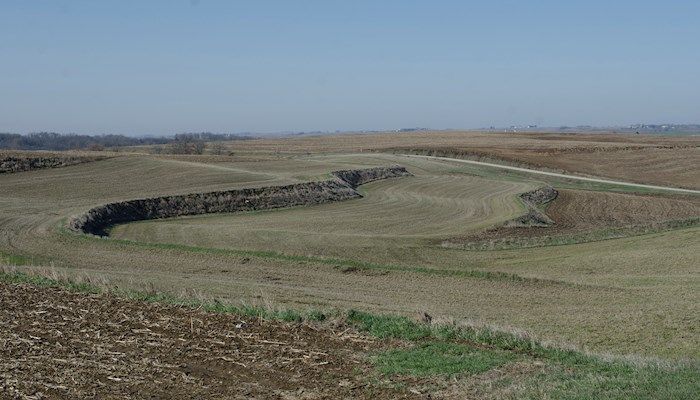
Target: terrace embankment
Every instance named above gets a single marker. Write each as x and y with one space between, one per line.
533 200
98 220
19 162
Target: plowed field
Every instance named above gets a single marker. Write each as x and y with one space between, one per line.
58 344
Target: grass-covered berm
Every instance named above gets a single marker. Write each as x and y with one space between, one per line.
381 253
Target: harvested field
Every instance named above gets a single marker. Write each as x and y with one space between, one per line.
366 253
505 142
59 344
658 165
652 165
651 159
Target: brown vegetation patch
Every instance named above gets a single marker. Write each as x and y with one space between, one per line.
580 209
459 140
661 165
60 344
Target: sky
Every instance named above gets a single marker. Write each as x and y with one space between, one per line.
163 67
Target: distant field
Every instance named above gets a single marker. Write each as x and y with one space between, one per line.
636 294
651 165
655 159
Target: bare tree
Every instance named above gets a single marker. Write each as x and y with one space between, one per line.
187 144
218 148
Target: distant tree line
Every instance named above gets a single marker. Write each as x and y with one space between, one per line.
184 143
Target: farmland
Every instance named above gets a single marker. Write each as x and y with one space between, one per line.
622 278
644 158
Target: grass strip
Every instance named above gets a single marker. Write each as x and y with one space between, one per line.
566 374
344 265
15 259
510 243
440 358
347 265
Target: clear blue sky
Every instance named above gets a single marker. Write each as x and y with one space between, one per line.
161 67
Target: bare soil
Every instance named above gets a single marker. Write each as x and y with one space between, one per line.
60 344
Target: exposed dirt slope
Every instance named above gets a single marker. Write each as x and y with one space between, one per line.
59 344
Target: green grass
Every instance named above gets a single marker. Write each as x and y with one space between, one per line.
15 259
613 381
43 281
399 327
439 358
568 374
